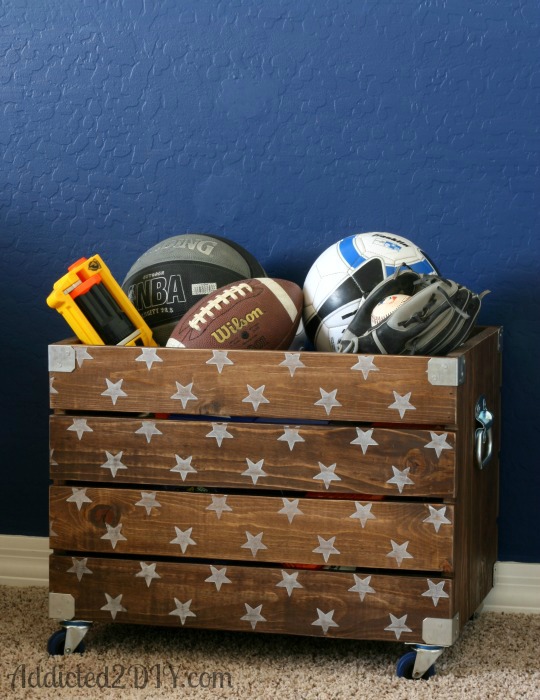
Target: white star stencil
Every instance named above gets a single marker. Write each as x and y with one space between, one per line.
399 552
149 356
363 513
364 439
219 505
148 429
114 605
52 533
79 497
183 466
52 461
402 403
114 390
148 501
81 354
183 538
254 470
328 400
52 390
114 463
80 426
113 534
79 567
400 478
220 432
289 582
184 393
326 547
182 610
397 625
148 573
292 361
254 543
219 358
437 517
253 615
438 443
290 508
218 577
435 591
327 474
361 586
291 436
365 365
255 396
325 620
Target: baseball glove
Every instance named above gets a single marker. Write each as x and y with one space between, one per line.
434 321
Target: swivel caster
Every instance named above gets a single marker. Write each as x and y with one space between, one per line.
420 663
68 640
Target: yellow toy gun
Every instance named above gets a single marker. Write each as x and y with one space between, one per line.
97 308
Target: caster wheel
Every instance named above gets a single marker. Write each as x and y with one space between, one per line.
405 667
57 642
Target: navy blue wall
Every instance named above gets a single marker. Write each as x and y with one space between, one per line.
284 125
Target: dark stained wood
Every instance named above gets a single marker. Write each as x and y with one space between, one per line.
225 607
477 500
288 393
200 458
168 490
211 533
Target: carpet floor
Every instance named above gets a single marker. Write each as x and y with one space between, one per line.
496 656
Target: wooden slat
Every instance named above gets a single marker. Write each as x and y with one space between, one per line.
384 534
219 454
380 607
306 385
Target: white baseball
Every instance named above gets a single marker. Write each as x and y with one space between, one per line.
387 306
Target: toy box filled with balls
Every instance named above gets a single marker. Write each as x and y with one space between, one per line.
284 490
274 491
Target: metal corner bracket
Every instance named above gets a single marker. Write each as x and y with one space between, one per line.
61 606
61 358
446 371
439 631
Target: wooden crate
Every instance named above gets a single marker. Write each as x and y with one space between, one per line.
291 492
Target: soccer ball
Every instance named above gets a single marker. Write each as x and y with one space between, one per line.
345 273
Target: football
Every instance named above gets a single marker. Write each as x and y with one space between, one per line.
342 276
178 272
261 313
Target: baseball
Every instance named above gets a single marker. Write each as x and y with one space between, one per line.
387 306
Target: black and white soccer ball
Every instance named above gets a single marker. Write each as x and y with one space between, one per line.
343 275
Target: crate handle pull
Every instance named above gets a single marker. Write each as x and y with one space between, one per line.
483 435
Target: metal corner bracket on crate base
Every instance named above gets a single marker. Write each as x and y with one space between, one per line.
439 631
61 606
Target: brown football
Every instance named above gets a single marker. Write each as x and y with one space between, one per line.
262 313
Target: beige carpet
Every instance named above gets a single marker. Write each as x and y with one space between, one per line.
497 656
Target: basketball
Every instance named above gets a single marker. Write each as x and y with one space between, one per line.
175 274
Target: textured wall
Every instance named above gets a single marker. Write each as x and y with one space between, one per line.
284 125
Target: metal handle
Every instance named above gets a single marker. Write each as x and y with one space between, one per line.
483 435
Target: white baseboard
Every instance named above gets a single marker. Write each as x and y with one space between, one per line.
24 561
516 589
